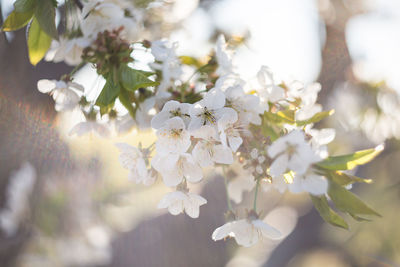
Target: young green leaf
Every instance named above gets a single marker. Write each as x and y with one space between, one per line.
24 5
344 179
316 118
132 79
16 20
329 215
277 118
287 115
38 42
191 61
350 161
45 13
346 201
124 99
108 94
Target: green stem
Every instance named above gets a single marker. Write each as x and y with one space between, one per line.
197 71
255 195
78 67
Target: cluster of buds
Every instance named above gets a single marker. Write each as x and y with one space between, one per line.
108 51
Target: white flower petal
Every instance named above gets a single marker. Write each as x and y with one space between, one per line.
279 166
46 86
267 230
315 184
222 155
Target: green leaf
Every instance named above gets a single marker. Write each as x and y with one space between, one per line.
280 117
124 99
359 219
268 130
16 20
287 115
45 13
316 118
191 61
329 215
350 161
146 73
344 179
346 201
38 42
132 79
24 5
108 94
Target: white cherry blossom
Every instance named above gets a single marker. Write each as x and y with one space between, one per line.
208 151
90 127
171 109
242 180
320 139
173 168
309 182
247 232
248 106
308 95
177 202
64 93
68 50
291 152
278 183
131 158
224 57
229 130
208 110
167 61
173 137
269 90
100 15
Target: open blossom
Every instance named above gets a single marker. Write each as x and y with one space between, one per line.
208 151
208 110
248 106
173 137
269 90
320 139
64 93
67 50
309 182
131 158
224 57
90 127
229 130
167 61
241 180
291 152
171 109
173 168
101 15
278 183
177 202
308 95
17 202
247 232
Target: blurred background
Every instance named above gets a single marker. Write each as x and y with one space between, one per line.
84 212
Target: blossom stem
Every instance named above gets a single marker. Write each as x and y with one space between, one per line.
78 67
228 201
255 195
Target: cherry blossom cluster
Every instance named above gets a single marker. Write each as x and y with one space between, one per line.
223 130
258 132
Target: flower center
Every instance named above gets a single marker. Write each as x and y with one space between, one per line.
176 113
176 133
208 116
